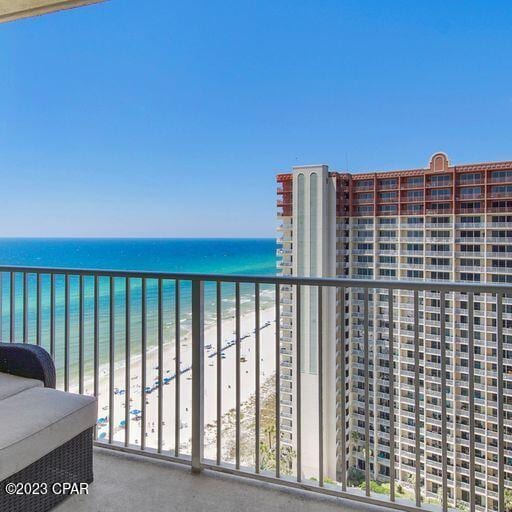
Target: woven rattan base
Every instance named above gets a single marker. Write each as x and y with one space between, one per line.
69 463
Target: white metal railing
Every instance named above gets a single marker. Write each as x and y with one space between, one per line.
151 346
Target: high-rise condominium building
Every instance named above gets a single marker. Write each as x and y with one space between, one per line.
440 223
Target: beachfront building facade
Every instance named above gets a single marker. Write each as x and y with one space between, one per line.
438 223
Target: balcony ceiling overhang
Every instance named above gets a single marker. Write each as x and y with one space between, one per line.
11 10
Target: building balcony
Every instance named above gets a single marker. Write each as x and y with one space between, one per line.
160 406
498 209
470 197
501 179
412 239
387 200
500 239
411 199
120 476
470 225
445 254
438 267
414 266
469 254
499 195
472 181
470 269
438 211
499 270
438 239
438 225
469 240
492 224
498 254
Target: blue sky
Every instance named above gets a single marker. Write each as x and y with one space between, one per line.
172 119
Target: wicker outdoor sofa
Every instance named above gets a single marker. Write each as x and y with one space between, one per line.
45 435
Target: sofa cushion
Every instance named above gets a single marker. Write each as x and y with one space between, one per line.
12 384
38 420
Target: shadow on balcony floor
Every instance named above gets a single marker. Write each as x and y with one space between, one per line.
130 483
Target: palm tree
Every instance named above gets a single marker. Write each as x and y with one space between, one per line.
508 500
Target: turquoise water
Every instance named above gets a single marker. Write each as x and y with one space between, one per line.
221 256
208 255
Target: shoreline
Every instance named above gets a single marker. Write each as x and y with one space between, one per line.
228 361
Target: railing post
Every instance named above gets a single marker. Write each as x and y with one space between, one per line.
197 374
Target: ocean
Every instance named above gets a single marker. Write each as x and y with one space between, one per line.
213 256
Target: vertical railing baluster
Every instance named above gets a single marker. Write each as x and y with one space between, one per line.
343 397
197 374
278 379
391 370
12 330
257 355
66 332
38 310
417 439
298 380
237 375
177 361
111 359
52 316
444 415
143 364
96 336
81 324
160 364
127 362
1 306
471 405
25 307
366 393
219 371
499 404
320 389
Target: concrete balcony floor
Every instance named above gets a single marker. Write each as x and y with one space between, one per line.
124 483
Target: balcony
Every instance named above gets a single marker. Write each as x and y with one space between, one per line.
438 225
500 195
363 188
501 179
471 225
197 370
438 211
470 197
123 476
499 209
470 181
439 184
392 199
413 185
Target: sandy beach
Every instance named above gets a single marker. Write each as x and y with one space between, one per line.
267 370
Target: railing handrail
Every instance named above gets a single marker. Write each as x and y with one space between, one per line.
448 286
